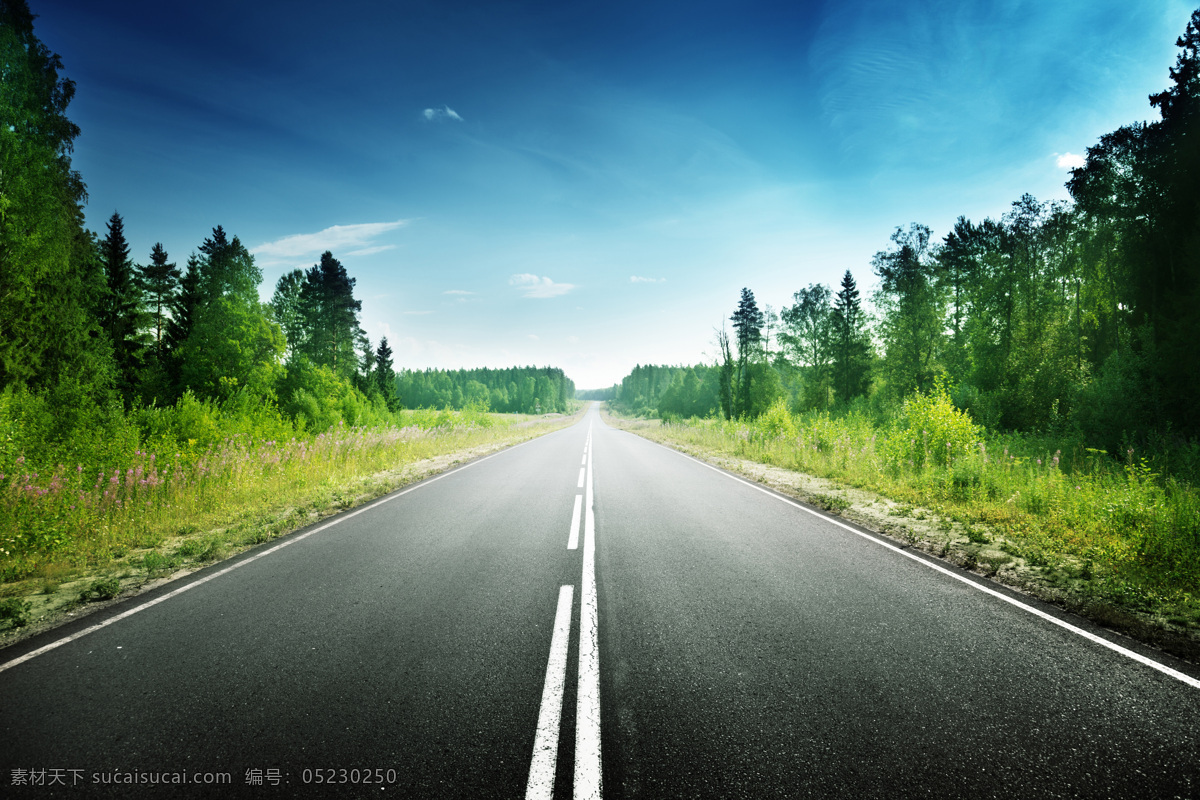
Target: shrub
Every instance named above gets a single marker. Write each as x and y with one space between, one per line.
931 431
15 612
776 423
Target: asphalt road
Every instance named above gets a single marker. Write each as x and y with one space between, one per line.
714 641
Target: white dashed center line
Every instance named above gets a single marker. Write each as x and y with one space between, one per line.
542 768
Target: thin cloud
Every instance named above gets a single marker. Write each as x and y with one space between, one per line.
370 251
1070 161
337 238
457 292
539 287
640 279
440 114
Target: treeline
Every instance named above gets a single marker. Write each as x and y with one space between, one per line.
100 353
1081 314
524 390
606 393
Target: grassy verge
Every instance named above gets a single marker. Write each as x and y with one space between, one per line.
1113 542
71 539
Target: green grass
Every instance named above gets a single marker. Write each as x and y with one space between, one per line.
1132 535
163 511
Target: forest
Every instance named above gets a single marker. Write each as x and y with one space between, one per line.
1079 318
103 353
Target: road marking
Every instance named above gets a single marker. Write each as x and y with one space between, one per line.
582 470
287 543
1116 648
584 461
587 710
545 742
573 538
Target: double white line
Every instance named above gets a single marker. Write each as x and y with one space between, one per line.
587 708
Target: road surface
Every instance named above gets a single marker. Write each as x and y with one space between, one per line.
590 614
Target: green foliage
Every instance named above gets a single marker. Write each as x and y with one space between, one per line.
103 589
912 306
931 431
233 347
120 310
850 343
50 278
15 611
520 390
776 422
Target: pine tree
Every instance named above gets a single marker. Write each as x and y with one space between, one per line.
851 345
227 269
160 281
385 375
120 311
748 324
331 316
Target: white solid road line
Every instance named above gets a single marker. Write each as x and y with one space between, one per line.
1138 657
573 538
545 742
587 711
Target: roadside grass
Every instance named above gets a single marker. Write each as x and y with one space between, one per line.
1118 536
74 536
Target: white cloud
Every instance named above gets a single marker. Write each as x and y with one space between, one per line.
457 292
438 114
533 336
640 279
336 238
370 251
533 286
1069 161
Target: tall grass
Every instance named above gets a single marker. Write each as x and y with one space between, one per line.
77 516
1134 530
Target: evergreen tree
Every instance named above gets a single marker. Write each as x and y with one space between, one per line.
331 316
747 324
385 376
160 282
850 343
120 311
50 281
227 269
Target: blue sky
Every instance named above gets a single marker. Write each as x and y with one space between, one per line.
586 185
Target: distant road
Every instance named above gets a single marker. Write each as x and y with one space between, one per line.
591 614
